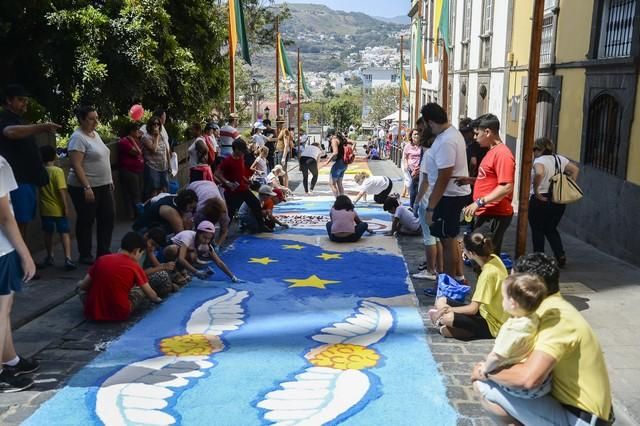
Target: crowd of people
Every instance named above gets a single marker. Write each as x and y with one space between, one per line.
546 366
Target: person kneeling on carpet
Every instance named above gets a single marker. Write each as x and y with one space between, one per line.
345 226
116 285
248 223
379 186
404 221
187 247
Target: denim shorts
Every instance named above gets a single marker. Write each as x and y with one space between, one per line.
338 169
155 179
51 224
23 201
427 238
10 273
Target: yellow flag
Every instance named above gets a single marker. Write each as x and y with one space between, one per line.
405 86
233 32
436 19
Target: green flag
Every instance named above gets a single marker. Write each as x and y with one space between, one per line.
443 25
237 30
305 87
284 61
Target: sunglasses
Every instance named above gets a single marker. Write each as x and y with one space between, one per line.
155 124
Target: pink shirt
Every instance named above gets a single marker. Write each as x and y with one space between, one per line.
412 155
343 221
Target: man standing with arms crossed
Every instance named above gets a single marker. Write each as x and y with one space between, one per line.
493 188
445 160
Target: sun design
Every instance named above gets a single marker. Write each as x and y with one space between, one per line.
345 356
191 345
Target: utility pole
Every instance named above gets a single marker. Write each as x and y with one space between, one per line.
416 112
400 95
298 109
529 127
278 125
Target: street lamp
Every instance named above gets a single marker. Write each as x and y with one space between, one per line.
288 113
255 90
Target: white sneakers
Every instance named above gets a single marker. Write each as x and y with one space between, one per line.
425 275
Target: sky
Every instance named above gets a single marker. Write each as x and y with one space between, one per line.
370 7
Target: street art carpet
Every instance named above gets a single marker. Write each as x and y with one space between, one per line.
320 333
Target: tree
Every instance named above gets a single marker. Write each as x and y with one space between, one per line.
383 101
344 112
327 91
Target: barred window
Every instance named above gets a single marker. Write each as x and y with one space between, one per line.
546 45
603 134
616 28
466 34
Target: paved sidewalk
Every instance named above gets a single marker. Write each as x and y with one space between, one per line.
597 284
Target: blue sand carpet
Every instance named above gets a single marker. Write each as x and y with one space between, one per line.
318 334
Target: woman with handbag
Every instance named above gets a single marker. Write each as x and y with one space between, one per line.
544 213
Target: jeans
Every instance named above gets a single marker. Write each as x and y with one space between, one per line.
131 185
235 199
102 211
308 164
544 218
413 189
361 228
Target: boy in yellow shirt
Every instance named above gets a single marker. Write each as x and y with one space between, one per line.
521 296
54 209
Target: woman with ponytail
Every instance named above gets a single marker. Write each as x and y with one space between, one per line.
484 315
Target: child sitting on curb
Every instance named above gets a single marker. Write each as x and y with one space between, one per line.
345 226
184 250
521 296
404 221
483 317
116 285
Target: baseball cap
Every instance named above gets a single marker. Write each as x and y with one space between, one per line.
266 190
206 226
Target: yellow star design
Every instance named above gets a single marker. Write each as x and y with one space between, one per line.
312 281
329 256
262 260
292 246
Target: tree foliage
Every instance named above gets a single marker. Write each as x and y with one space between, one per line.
345 110
117 52
383 101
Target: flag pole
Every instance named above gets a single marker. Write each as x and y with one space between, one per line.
400 96
277 77
416 112
299 137
529 127
232 71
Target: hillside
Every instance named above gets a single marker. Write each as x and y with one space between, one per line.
329 40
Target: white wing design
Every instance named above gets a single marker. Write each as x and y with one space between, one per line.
321 394
370 324
224 313
318 395
138 393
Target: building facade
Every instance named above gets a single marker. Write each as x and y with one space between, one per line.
376 78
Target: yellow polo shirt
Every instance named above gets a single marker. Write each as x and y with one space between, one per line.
489 294
51 202
580 375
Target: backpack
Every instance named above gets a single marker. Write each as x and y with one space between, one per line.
348 157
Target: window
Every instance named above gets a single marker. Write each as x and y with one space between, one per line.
485 34
393 78
544 115
603 134
547 45
616 28
466 34
463 110
452 32
483 99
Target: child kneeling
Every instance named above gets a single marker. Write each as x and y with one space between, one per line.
404 222
116 285
521 296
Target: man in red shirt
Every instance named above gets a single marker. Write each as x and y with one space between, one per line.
116 284
493 188
232 173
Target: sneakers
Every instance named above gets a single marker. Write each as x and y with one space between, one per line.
425 275
9 382
69 265
24 366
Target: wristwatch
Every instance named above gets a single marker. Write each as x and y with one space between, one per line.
86 188
480 202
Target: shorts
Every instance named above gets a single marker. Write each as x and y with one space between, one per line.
155 179
23 201
545 410
427 238
51 224
446 216
338 169
10 273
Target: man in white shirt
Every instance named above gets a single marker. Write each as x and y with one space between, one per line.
381 140
228 133
446 160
